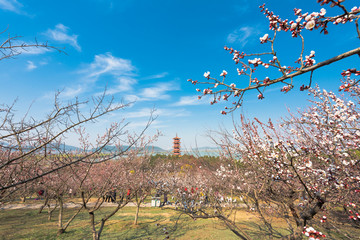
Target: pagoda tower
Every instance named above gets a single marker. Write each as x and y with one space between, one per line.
176 150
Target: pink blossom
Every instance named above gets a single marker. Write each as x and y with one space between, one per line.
310 25
223 74
240 72
308 17
207 74
264 38
293 26
322 12
337 21
354 9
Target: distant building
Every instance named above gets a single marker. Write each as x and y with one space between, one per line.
176 149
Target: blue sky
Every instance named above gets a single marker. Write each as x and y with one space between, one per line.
146 50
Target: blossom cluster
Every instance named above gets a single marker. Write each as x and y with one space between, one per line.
313 151
309 60
353 214
264 38
313 234
347 73
237 56
286 88
308 21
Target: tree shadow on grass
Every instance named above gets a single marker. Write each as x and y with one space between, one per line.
259 231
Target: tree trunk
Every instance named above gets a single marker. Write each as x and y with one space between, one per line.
49 214
61 210
137 213
50 211
45 203
70 220
95 234
60 231
267 224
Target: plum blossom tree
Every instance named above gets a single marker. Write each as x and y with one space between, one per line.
201 192
116 177
303 170
33 148
33 154
56 187
250 64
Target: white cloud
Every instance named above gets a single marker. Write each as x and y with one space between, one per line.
145 112
66 93
60 34
156 92
242 35
108 64
157 76
44 62
141 124
30 65
72 92
190 100
131 98
159 91
11 5
125 84
120 70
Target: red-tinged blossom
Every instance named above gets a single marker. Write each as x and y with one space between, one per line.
266 80
286 88
223 74
303 87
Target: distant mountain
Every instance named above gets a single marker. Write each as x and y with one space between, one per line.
208 148
157 149
62 147
109 149
106 149
202 151
69 148
210 151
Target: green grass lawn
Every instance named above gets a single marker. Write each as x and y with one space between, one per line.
28 224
